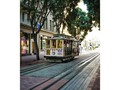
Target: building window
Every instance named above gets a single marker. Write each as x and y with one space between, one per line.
44 26
28 19
23 16
46 23
20 16
51 25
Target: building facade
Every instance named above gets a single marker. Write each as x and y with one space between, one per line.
26 37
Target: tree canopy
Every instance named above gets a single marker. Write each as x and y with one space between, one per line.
61 9
93 7
75 19
78 22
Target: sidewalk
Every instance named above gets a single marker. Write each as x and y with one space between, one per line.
31 59
95 81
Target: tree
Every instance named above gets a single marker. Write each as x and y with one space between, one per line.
68 15
93 7
86 20
61 9
75 19
37 11
78 23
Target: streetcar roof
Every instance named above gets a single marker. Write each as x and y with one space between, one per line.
58 39
62 37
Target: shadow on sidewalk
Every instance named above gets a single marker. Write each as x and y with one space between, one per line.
31 59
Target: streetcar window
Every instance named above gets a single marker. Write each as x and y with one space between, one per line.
47 52
47 43
68 43
53 43
67 47
59 44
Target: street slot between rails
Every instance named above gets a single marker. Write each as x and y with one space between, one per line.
48 83
28 68
37 69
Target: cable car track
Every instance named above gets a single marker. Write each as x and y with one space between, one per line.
36 68
31 67
83 77
78 67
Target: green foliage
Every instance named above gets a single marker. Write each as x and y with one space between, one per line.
78 22
61 9
93 7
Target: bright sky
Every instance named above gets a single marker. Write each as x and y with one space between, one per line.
94 35
82 6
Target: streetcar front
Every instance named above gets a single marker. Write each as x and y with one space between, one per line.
54 49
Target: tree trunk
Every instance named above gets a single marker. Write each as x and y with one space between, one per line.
36 47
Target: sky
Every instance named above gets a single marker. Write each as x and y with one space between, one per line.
95 34
82 6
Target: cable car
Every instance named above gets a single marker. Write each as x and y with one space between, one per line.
61 48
